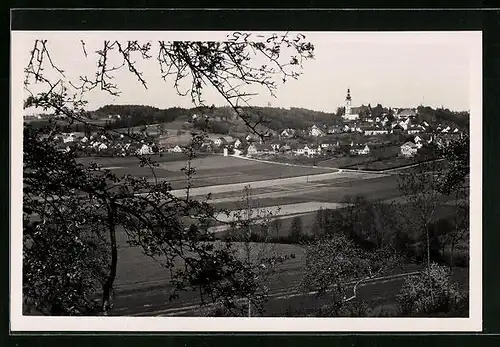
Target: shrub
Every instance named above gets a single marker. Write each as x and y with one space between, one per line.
431 292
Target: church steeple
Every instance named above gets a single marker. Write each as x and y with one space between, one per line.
348 103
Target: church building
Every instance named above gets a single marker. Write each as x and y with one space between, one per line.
350 113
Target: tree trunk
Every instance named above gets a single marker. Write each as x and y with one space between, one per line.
428 249
429 265
452 250
108 285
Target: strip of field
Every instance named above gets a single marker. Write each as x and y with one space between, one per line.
210 170
280 210
136 268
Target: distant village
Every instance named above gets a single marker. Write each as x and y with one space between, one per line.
358 134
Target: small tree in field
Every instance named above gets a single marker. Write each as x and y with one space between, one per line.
276 226
420 189
296 229
332 263
416 298
252 227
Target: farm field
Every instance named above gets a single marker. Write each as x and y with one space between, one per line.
132 162
210 169
328 191
385 164
342 162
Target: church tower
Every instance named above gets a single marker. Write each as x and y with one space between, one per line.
348 103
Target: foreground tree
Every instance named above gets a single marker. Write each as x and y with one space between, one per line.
80 210
454 183
336 267
296 229
420 192
252 234
416 298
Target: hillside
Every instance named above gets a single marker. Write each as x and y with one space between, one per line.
223 120
444 117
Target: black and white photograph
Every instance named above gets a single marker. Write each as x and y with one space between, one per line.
215 181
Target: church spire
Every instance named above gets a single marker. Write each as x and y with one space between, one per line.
348 97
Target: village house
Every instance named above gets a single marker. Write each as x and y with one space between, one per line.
446 130
314 150
375 131
418 141
334 129
308 150
359 149
285 149
175 149
250 137
413 130
408 149
207 147
69 138
259 148
252 149
316 131
299 149
406 114
270 133
276 145
396 128
102 147
326 143
144 150
219 141
287 133
358 129
405 124
238 143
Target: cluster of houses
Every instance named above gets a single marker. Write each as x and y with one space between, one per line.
256 149
317 140
320 139
106 145
377 126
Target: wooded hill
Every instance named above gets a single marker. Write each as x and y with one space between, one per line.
223 120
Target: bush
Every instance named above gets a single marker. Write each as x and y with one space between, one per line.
431 292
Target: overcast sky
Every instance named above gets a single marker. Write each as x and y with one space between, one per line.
397 69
